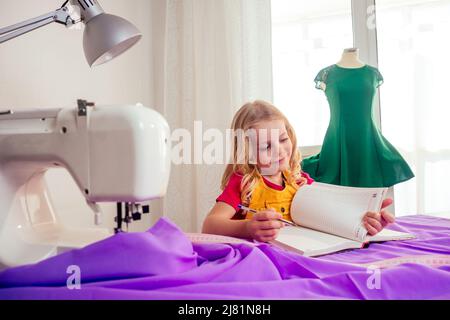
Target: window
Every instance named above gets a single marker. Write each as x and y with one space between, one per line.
307 36
413 51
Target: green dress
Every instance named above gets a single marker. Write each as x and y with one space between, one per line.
354 152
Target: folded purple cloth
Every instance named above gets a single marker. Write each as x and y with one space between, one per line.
163 264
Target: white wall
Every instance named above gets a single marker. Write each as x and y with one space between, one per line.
47 68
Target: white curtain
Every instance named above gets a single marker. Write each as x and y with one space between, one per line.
414 61
210 57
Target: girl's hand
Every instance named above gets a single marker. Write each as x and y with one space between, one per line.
375 222
264 225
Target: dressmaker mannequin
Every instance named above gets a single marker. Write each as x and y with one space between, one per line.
354 152
350 59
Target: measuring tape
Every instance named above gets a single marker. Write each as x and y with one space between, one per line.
434 261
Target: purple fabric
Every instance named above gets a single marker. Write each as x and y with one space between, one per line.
163 264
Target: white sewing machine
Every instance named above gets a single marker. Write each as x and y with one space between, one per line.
114 153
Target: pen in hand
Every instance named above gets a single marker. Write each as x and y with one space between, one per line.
254 211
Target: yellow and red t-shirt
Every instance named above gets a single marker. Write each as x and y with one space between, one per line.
265 195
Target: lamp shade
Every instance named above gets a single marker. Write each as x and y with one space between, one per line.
106 36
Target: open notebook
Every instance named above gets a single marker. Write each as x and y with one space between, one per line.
329 219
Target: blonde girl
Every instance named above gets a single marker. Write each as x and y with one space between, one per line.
264 175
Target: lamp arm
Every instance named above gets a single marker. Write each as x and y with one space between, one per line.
61 16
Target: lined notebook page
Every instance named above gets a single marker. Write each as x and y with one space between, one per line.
312 243
387 235
335 209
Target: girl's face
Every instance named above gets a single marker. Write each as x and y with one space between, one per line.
273 147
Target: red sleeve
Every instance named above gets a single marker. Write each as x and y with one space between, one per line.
309 180
232 192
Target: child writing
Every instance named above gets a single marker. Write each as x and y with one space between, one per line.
264 176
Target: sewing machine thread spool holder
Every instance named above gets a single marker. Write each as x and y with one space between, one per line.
6 112
82 107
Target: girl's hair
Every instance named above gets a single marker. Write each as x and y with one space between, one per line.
248 116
